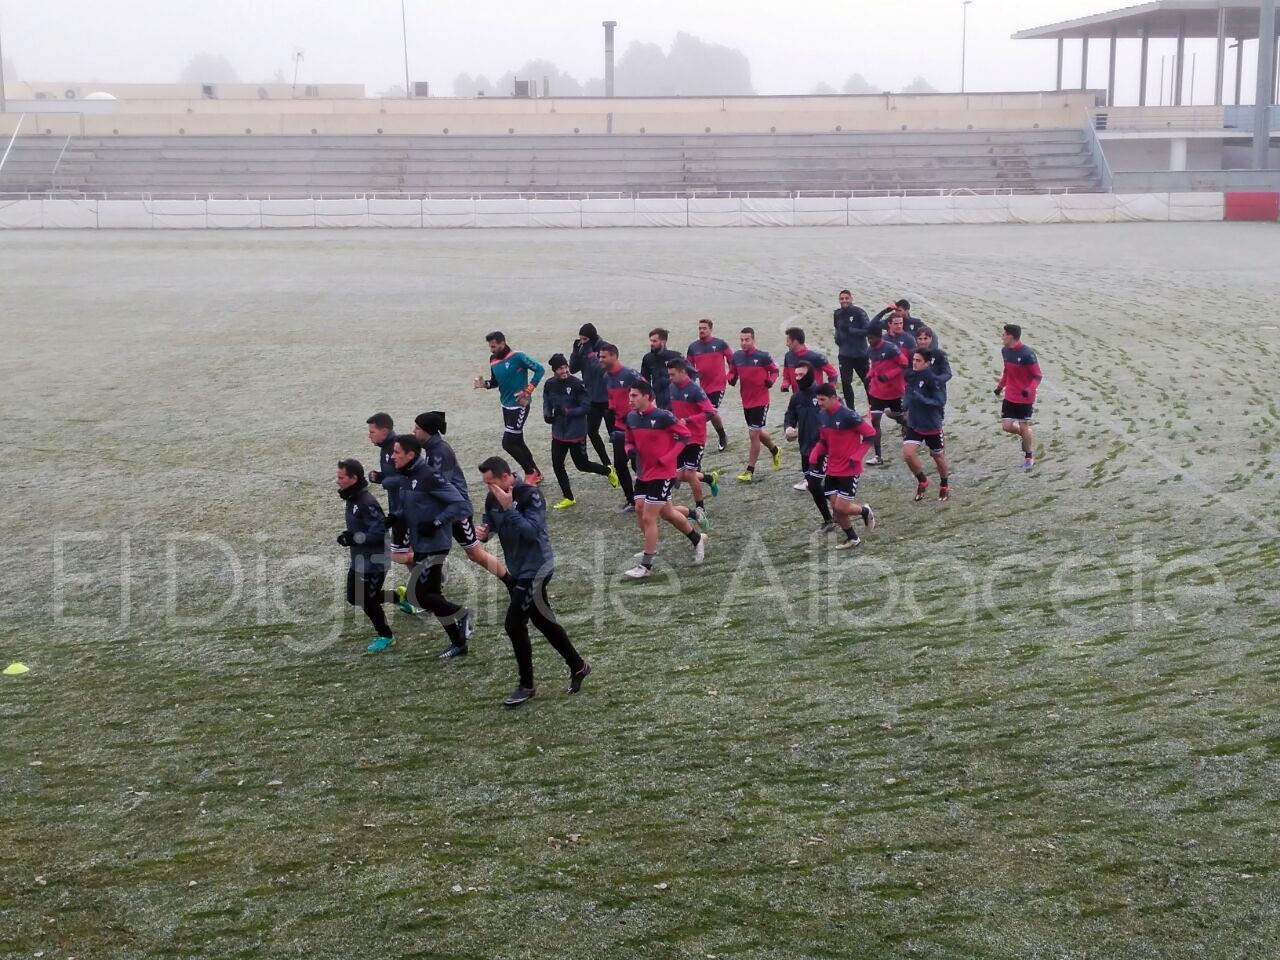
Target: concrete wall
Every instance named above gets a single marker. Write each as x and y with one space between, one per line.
494 116
1129 155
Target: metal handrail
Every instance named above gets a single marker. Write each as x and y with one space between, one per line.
12 140
53 174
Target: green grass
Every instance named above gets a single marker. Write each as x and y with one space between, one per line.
1038 721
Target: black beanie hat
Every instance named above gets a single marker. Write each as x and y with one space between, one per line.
557 360
588 330
432 422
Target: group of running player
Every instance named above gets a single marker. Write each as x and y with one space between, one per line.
656 419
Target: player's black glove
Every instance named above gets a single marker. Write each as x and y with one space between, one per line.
998 390
429 527
1026 393
785 390
375 476
633 458
344 538
882 378
549 419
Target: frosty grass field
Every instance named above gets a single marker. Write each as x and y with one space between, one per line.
1038 721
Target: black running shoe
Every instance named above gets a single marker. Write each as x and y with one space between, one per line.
576 678
518 696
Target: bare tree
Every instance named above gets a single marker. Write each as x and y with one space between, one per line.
858 84
919 85
824 89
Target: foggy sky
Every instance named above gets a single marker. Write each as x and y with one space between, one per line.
792 45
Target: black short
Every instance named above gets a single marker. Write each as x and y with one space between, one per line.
464 533
715 396
1016 411
931 440
892 406
756 417
365 586
654 491
690 457
818 470
513 419
846 488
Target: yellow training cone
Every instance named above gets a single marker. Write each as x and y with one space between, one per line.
16 669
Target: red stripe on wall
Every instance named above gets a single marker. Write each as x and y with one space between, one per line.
1252 206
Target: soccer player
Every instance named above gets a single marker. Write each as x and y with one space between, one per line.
899 337
565 405
925 404
431 504
618 381
885 385
429 430
654 366
939 364
712 358
584 359
655 438
819 366
383 436
517 513
843 442
851 323
900 308
802 423
509 373
366 536
1020 381
756 372
692 408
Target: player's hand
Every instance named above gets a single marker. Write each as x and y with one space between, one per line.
500 496
1026 393
344 538
478 383
482 532
375 476
791 433
880 377
998 390
402 557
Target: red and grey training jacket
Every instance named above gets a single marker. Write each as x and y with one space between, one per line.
1022 374
845 439
658 437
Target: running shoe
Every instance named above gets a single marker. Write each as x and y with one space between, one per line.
468 624
576 678
638 572
713 481
518 696
849 543
703 520
381 643
627 508
802 485
746 476
875 461
533 478
700 551
826 526
564 504
1028 463
722 443
613 477
454 650
944 492
868 517
921 487
777 458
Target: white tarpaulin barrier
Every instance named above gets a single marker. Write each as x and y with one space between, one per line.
662 213
21 214
980 209
1142 208
927 210
608 213
555 213
449 213
821 212
1087 207
287 214
395 213
70 214
342 213
1193 207
768 212
874 211
234 214
499 213
715 212
1034 208
124 215
179 214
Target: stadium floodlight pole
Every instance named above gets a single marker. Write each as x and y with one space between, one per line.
404 35
964 41
4 104
1262 103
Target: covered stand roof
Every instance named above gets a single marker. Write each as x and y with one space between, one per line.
1160 18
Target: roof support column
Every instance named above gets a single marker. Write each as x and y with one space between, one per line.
1266 64
1084 62
1179 57
1239 69
1111 69
1060 42
1221 71
1142 69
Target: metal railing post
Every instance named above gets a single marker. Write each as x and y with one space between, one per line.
12 140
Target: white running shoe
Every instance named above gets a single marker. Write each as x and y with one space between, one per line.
700 551
638 572
802 485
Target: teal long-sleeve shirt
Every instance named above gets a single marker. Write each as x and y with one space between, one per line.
512 373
